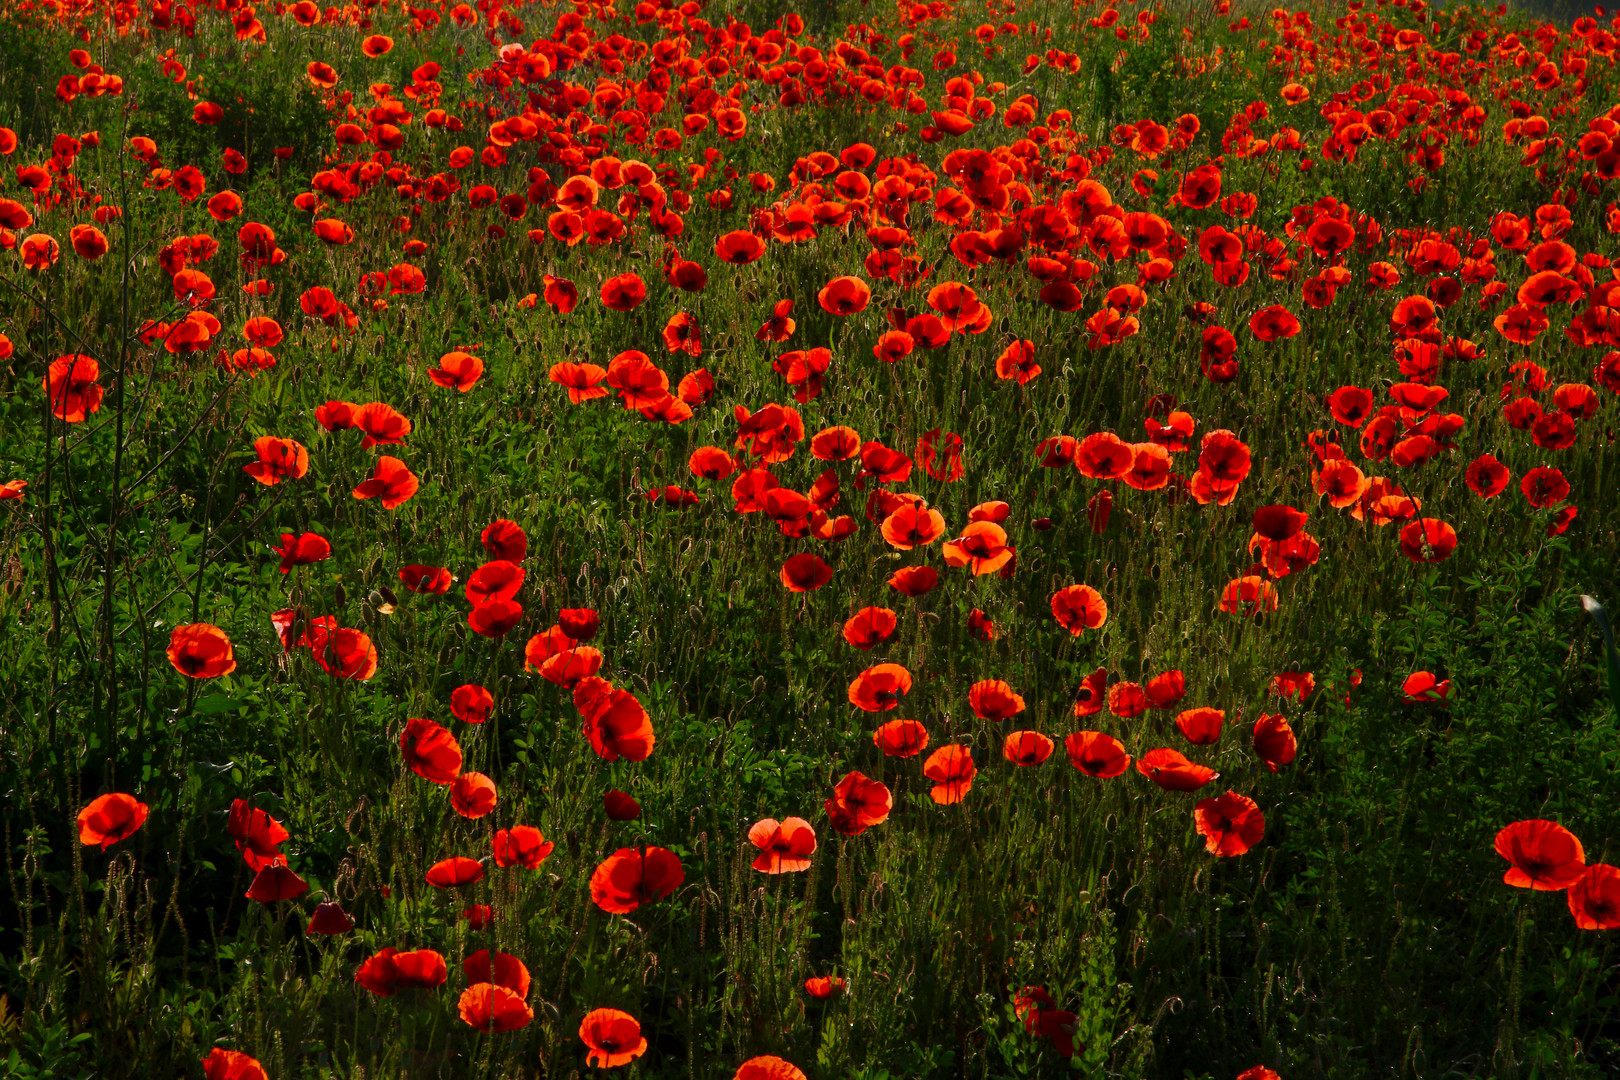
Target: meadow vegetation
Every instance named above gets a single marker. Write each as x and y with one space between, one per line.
996 539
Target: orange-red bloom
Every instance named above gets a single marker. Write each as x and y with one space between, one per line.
201 651
1545 856
613 1038
1230 824
110 818
952 770
783 846
631 877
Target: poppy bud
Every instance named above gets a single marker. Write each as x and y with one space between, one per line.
1043 524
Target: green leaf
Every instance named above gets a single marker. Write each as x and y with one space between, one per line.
217 703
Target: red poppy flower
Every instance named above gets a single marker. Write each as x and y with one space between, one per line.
378 973
568 667
1248 595
492 1008
431 752
1026 747
1274 741
822 987
1201 726
982 547
620 806
1171 770
420 969
783 846
278 460
201 651
624 292
302 550
391 481
616 723
1423 686
471 703
110 818
521 845
455 872
1277 523
1544 487
912 526
869 627
613 1037
1127 700
258 836
880 688
579 623
1230 824
768 1067
276 882
631 877
1104 456
980 627
1545 855
221 1064
805 572
1090 695
330 919
1271 323
1097 754
914 580
472 795
1428 540
425 579
1594 898
376 45
1079 608
994 700
952 769
495 618
1487 477
738 247
457 370
901 738
844 296
858 802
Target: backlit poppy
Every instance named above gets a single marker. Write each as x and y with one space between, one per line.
901 738
994 700
1079 608
880 687
1544 855
805 572
109 819
613 1037
1026 747
278 460
330 919
391 481
431 752
472 795
1171 770
221 1064
455 872
457 370
844 296
631 877
869 627
858 803
1594 898
784 846
768 1067
1428 540
579 623
471 703
492 1008
822 987
425 579
1201 726
616 723
1097 754
1230 824
1274 740
201 651
276 882
521 845
952 770
620 806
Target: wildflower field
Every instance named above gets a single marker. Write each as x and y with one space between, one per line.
980 539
